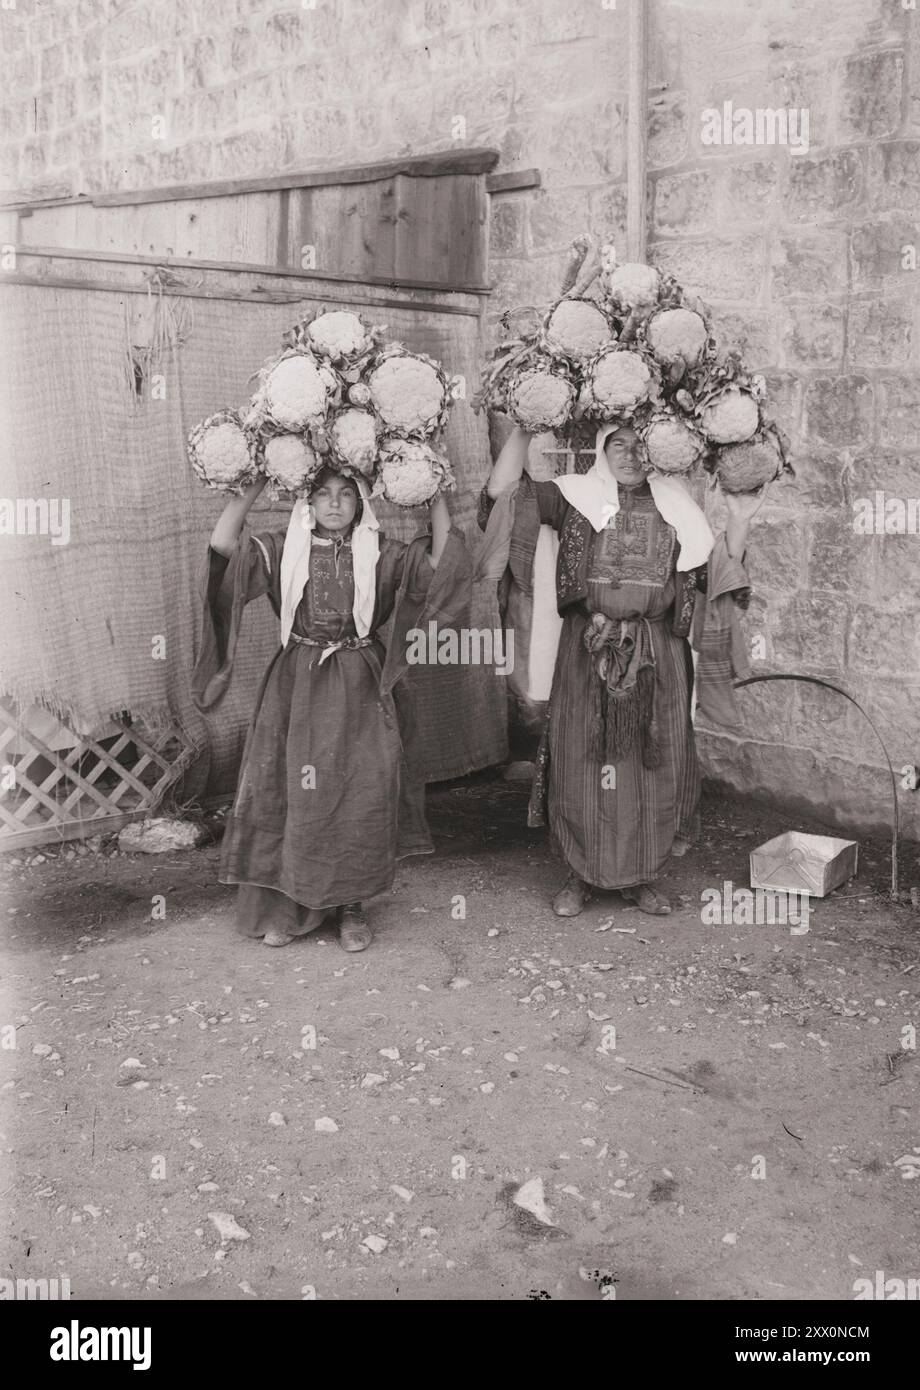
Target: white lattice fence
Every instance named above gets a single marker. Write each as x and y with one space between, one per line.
93 787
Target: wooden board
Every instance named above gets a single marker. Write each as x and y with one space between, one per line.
430 229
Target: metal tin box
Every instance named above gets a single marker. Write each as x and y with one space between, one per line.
799 863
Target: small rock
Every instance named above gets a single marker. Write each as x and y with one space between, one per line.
42 1050
402 1192
326 1126
391 1052
730 1238
458 982
277 1119
376 1244
531 1197
159 835
227 1226
372 1079
135 1259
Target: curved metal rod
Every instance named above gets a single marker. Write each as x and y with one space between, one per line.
829 685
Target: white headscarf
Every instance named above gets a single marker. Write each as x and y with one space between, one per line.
595 494
295 562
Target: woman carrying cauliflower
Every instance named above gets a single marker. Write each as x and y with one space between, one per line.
617 776
330 794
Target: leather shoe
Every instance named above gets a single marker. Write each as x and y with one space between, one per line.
571 898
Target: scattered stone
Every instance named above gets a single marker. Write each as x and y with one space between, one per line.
135 1259
326 1126
391 1052
159 835
531 1197
277 1119
228 1228
909 1164
376 1244
402 1192
42 1050
372 1079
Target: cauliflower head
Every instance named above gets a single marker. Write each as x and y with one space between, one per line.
671 445
294 392
540 398
633 285
576 328
730 417
353 438
338 336
746 467
409 392
676 334
619 380
220 451
410 472
289 462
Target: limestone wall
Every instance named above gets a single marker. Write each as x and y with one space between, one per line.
807 258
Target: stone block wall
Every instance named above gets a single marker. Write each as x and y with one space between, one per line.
808 258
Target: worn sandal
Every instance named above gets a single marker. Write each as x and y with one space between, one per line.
354 929
647 900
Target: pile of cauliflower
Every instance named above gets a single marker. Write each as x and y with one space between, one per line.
335 396
625 342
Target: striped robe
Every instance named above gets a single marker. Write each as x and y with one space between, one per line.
615 824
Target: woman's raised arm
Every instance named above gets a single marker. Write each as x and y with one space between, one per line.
227 528
509 465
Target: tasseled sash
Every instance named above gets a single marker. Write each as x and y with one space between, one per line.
623 696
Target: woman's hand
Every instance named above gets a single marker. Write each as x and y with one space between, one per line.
741 507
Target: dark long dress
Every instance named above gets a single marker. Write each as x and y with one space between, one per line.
330 794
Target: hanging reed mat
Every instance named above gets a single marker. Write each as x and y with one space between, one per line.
48 795
99 409
829 685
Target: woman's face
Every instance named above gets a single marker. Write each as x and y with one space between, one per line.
334 501
624 458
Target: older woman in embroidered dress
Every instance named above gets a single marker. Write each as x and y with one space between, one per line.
617 775
330 793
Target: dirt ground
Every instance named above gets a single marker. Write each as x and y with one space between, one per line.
163 1070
